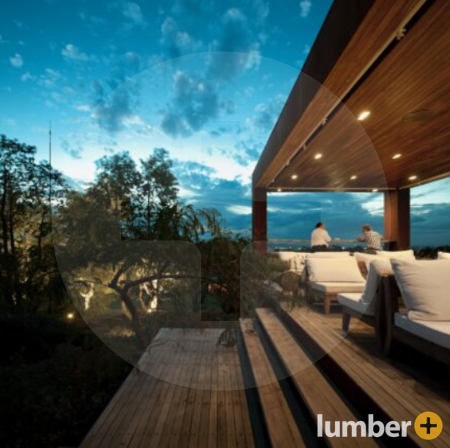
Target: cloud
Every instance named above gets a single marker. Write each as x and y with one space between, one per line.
195 101
91 20
266 114
50 77
209 191
74 149
237 50
247 152
132 11
26 77
16 60
295 215
240 209
82 107
177 42
111 110
3 41
73 53
115 99
305 8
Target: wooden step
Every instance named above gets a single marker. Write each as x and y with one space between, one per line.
280 423
318 394
399 396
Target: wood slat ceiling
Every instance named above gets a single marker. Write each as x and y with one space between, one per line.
414 76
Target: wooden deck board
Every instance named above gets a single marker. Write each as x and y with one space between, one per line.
192 399
398 394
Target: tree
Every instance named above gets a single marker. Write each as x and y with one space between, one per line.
158 190
26 253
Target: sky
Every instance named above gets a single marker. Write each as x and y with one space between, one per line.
204 79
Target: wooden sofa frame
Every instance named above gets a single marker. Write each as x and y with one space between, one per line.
378 320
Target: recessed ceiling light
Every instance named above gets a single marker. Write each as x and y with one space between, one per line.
318 156
363 115
354 177
279 190
412 177
396 156
375 190
294 176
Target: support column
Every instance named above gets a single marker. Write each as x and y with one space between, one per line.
259 217
397 218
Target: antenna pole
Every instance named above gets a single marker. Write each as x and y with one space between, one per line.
50 168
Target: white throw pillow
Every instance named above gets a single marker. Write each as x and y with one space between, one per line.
443 256
425 288
377 269
400 254
367 258
328 255
333 270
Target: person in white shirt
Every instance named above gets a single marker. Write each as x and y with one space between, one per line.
320 238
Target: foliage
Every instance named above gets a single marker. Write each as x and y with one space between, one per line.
29 279
56 379
430 253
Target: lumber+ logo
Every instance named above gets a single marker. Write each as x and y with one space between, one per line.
428 425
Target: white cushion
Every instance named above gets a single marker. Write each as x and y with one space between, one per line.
296 260
367 258
338 287
333 270
328 255
425 287
403 254
443 256
436 332
353 301
377 269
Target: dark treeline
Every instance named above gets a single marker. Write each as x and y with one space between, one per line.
141 199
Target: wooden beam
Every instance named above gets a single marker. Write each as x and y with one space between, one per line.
259 216
397 218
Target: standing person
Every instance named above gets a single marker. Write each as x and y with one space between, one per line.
320 238
371 238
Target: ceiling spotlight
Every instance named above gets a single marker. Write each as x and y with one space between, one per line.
318 156
396 156
375 190
412 177
279 190
354 178
294 176
363 115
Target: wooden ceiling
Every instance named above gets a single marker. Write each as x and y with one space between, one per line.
407 91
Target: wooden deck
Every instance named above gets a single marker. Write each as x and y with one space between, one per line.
195 397
288 366
399 388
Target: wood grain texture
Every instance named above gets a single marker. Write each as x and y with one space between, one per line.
317 393
194 397
400 395
413 76
281 426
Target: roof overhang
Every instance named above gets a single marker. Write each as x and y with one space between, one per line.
389 58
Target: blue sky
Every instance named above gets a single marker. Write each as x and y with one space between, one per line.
204 79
